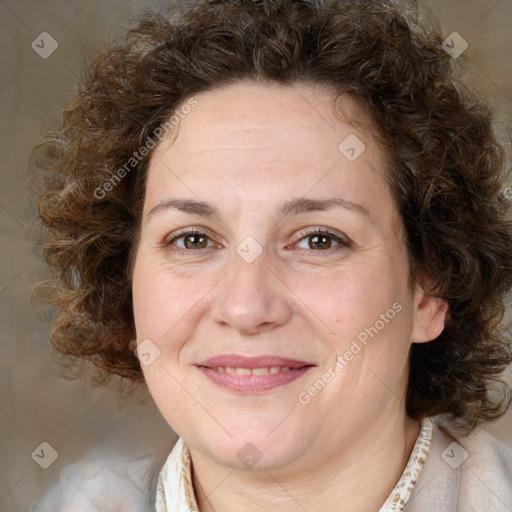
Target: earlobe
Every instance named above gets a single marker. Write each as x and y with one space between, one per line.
430 316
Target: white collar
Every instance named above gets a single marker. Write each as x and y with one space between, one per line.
175 493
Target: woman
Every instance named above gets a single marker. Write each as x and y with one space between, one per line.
288 220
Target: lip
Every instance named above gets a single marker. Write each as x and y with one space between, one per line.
253 383
239 361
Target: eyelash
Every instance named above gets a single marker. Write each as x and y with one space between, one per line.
342 242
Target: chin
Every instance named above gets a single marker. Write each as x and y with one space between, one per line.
253 448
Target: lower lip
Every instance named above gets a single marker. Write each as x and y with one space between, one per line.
253 383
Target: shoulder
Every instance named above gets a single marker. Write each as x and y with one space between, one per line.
105 481
464 474
486 473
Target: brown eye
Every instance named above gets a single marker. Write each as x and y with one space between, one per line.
322 241
195 241
191 240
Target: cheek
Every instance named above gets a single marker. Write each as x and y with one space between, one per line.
160 298
351 299
168 306
368 324
366 317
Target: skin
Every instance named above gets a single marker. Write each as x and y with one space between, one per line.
247 148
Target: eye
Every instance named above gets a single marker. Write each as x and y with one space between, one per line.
321 240
190 240
318 240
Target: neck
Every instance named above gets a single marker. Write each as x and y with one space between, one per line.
358 478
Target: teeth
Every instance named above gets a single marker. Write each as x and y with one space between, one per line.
260 371
254 371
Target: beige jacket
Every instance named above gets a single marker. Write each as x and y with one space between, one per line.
472 474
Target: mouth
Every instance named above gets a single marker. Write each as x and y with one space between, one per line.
253 374
270 370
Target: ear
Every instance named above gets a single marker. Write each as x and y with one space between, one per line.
429 315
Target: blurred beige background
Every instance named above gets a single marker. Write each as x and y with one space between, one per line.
36 404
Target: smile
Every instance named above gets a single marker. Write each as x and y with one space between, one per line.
250 375
252 371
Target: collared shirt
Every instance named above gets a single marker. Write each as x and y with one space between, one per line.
175 493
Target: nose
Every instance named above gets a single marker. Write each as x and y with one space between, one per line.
251 298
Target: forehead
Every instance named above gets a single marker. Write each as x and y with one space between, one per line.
267 142
246 114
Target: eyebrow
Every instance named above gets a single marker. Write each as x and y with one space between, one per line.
291 207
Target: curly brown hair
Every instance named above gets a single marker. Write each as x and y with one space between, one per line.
447 169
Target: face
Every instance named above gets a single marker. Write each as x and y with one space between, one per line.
279 312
